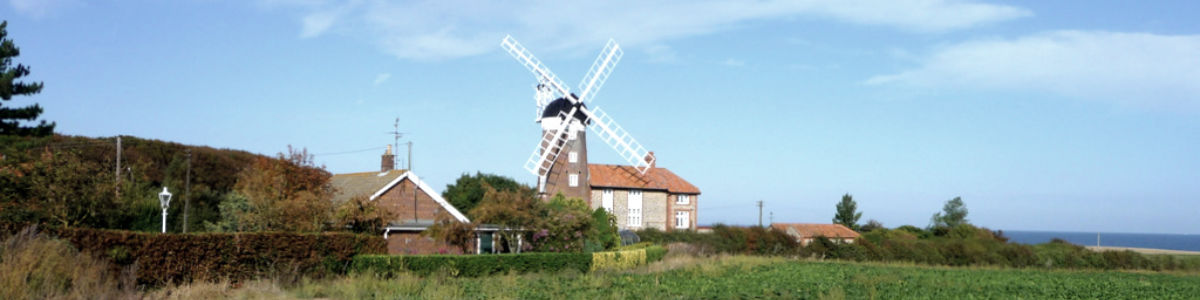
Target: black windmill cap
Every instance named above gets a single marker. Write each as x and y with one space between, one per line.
563 105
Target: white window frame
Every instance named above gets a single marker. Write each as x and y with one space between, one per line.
682 218
683 199
635 208
571 135
606 200
573 180
572 157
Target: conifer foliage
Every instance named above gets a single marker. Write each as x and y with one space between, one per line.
11 117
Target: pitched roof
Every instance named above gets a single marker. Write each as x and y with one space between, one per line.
374 184
618 176
361 184
814 230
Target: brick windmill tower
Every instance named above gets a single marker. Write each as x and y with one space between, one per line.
564 119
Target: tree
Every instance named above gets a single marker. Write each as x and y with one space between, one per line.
288 193
466 192
562 226
847 212
954 213
361 215
513 211
10 117
451 231
871 226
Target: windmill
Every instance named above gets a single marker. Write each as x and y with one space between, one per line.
564 117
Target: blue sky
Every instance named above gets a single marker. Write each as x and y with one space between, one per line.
1042 115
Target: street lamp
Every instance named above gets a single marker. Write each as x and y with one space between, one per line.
164 199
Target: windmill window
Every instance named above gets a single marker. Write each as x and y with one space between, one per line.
573 180
572 157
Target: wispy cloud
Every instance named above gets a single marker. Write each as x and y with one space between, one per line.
430 30
734 63
381 78
40 8
1141 68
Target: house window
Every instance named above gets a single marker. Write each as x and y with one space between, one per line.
681 219
606 200
683 199
635 208
573 157
573 180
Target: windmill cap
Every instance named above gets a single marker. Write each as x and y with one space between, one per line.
561 106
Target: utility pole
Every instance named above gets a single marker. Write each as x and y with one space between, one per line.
760 205
118 159
187 192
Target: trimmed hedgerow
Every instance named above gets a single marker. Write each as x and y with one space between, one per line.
472 265
167 258
618 260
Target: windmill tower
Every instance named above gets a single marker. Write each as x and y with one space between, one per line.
564 118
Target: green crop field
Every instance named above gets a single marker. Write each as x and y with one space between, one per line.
751 277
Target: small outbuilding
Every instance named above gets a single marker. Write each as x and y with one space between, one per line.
805 233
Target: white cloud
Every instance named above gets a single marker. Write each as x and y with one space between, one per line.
381 78
1141 68
432 29
40 8
734 63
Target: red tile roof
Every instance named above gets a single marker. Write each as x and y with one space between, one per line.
815 230
617 176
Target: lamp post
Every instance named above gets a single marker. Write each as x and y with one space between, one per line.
164 199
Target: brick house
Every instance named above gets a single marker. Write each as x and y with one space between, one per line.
659 199
415 204
805 233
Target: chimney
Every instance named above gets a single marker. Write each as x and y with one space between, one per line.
389 160
650 158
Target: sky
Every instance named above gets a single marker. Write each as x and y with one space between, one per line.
1041 115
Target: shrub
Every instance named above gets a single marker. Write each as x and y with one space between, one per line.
33 266
655 253
212 256
618 260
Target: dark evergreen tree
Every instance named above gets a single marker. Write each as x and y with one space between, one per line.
468 190
10 118
847 212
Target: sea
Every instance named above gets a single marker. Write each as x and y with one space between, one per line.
1187 242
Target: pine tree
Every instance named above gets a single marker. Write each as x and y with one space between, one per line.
847 212
954 213
10 117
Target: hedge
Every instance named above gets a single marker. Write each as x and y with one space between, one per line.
166 258
472 265
480 265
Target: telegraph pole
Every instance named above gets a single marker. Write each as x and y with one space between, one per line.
760 206
187 192
118 159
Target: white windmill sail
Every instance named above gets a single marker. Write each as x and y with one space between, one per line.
544 155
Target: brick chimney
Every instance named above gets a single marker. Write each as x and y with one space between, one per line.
650 158
389 161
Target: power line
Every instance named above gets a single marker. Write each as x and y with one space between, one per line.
349 152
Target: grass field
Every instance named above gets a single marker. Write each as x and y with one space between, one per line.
737 277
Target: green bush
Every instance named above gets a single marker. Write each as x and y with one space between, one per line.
167 258
655 253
